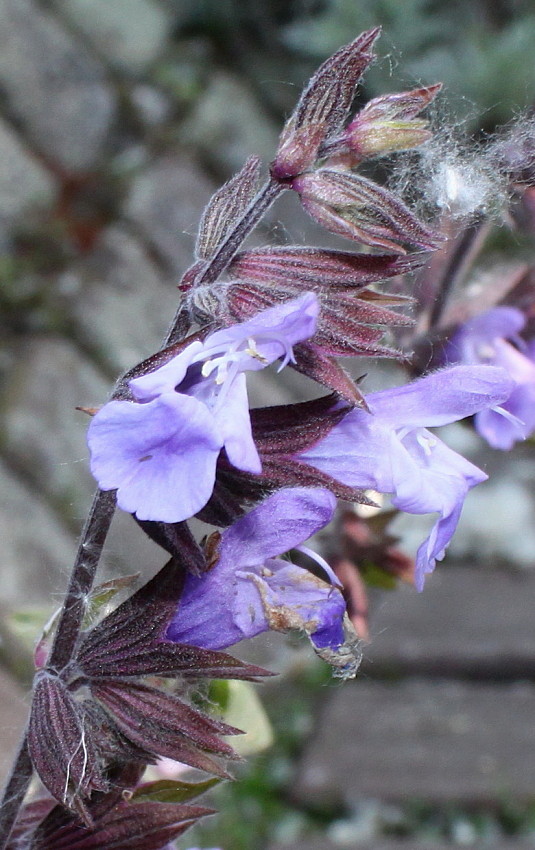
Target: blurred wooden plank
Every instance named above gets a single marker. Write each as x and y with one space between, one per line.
475 623
437 742
393 844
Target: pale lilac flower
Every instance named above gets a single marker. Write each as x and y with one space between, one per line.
160 451
390 449
485 339
251 589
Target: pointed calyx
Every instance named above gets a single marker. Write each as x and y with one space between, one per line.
281 433
96 711
63 754
323 106
319 269
226 207
351 313
145 826
359 209
163 725
131 641
120 820
384 125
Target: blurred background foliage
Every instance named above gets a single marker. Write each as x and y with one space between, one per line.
481 50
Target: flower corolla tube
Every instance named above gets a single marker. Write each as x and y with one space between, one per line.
251 589
160 451
488 338
390 449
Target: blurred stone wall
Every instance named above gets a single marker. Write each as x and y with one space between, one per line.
118 118
101 191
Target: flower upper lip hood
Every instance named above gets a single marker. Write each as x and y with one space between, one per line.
160 451
390 449
485 339
247 346
250 589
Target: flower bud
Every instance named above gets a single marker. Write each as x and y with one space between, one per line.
386 124
377 138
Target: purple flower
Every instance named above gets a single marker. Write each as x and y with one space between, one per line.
484 339
160 451
391 450
251 589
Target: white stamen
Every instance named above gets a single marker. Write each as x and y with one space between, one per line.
514 420
485 351
219 357
253 352
208 367
427 442
322 563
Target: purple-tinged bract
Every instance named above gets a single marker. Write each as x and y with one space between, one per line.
357 208
386 124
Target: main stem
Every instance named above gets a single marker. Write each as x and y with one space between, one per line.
99 520
232 243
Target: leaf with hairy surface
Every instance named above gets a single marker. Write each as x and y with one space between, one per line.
164 725
143 825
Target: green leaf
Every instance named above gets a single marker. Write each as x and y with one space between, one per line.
173 791
218 696
374 576
104 593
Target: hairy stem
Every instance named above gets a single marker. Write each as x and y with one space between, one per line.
233 241
101 514
230 246
82 577
16 788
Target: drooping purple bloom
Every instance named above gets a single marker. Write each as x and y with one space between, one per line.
251 589
390 449
488 338
160 451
